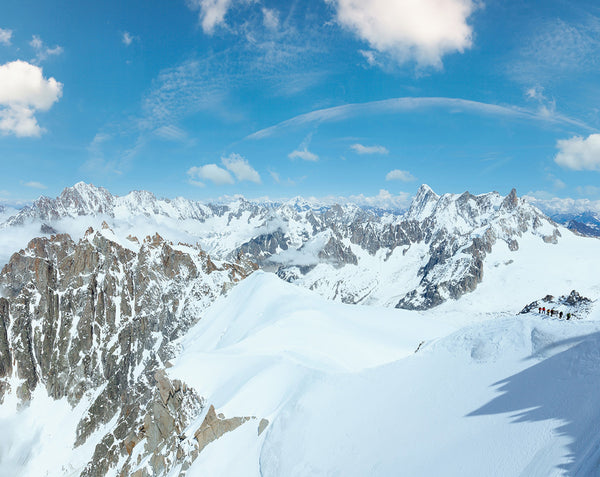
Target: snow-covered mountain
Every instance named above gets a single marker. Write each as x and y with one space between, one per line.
417 259
585 223
125 355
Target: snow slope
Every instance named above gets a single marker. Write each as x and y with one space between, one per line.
346 394
510 397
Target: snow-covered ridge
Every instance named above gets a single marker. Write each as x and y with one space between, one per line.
88 200
417 259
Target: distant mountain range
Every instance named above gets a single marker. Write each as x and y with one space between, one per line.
586 223
415 259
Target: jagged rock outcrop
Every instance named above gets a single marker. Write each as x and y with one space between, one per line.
93 322
214 426
261 248
578 306
160 442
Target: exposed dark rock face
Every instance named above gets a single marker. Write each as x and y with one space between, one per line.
93 321
261 248
47 230
583 229
575 304
337 253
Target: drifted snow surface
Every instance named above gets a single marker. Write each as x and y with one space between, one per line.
346 393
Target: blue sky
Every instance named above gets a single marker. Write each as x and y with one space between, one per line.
205 98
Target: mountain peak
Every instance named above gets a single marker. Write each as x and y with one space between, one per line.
423 203
511 201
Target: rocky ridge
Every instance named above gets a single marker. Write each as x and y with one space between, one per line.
577 305
93 322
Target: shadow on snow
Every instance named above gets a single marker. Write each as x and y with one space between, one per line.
566 387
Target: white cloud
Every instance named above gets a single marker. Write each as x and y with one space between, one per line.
210 172
212 12
35 185
420 30
303 154
398 175
579 153
42 52
127 38
240 168
23 91
5 36
360 149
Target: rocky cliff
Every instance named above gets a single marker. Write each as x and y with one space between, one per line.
93 322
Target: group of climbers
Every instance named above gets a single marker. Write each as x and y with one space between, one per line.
552 312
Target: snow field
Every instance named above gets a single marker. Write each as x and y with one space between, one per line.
346 394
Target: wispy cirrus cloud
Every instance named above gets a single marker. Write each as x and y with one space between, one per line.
303 153
285 182
170 132
407 104
270 18
185 89
107 158
35 185
271 57
5 36
375 149
556 50
43 52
